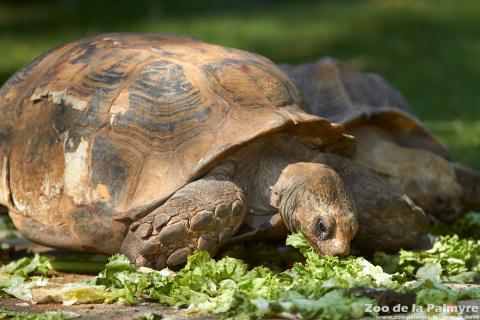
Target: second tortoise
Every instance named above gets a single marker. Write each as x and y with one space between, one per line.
391 140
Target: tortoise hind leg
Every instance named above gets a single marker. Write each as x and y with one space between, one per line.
202 215
469 180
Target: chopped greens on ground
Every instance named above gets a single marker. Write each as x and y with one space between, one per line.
26 267
451 259
318 287
14 276
48 315
229 288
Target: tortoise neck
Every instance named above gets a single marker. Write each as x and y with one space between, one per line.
286 206
286 194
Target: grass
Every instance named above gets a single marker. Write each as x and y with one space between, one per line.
428 49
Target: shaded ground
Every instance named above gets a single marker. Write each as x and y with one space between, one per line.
102 311
428 49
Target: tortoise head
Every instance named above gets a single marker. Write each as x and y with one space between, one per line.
313 199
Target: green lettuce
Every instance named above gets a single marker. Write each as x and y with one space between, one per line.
451 259
324 287
229 288
26 267
18 277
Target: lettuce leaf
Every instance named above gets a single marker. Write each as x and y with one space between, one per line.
228 287
26 267
18 277
450 259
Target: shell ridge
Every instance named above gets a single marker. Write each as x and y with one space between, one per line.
129 80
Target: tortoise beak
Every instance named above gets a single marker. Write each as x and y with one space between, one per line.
334 247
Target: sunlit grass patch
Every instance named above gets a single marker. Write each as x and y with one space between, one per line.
461 137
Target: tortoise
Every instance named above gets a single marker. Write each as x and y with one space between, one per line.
157 145
390 139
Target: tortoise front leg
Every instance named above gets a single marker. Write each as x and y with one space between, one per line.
202 215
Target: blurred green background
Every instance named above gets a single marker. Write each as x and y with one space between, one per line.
429 49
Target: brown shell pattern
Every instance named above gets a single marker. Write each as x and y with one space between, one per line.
104 129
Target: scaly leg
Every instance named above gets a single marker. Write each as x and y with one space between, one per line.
202 215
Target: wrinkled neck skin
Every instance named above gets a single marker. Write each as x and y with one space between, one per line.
258 167
426 177
286 195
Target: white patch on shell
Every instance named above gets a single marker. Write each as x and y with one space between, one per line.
120 105
76 175
45 187
48 191
58 97
51 190
4 187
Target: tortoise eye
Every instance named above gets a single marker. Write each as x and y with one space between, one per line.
321 228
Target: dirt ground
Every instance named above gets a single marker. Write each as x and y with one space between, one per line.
123 312
98 311
101 311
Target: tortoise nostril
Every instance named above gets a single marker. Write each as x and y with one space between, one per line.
340 247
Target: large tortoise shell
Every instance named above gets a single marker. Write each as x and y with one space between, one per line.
100 131
342 94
